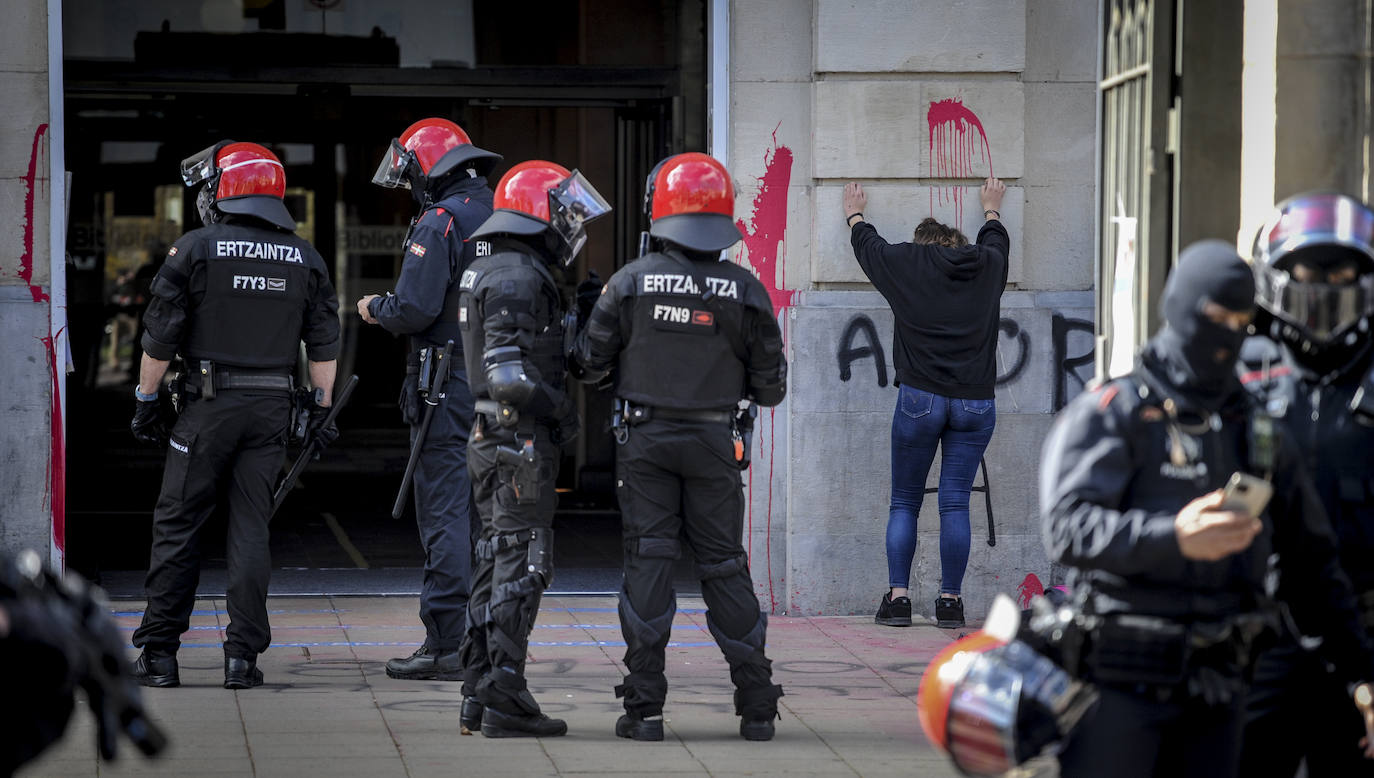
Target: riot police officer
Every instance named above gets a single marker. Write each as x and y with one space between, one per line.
511 317
1313 366
446 175
689 336
235 298
1169 573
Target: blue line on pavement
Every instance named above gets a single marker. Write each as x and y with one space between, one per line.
534 643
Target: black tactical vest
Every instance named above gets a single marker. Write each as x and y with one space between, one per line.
509 292
257 287
687 344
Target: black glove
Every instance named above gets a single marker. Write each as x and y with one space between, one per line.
321 434
409 401
587 294
148 424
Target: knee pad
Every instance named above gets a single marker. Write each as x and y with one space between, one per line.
744 650
732 566
642 633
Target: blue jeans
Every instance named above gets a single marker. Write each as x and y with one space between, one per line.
962 430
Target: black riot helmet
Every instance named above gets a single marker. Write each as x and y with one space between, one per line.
1314 272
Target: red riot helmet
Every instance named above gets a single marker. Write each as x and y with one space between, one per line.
993 704
1314 271
240 178
690 202
427 151
544 199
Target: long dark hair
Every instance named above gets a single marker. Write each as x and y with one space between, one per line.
931 232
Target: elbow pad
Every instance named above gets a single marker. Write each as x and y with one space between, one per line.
506 378
770 390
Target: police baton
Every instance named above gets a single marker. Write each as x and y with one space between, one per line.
432 397
311 447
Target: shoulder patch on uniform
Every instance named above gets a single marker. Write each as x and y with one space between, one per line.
417 249
172 252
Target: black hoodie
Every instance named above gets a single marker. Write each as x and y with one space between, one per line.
945 307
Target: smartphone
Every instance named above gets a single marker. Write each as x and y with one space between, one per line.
1245 493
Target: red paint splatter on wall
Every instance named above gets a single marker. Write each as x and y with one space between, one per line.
30 182
764 236
953 147
1029 589
765 252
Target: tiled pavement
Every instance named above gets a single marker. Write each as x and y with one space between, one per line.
328 708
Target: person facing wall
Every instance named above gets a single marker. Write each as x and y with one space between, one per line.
945 296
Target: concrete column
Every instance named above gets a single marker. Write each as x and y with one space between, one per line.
27 462
1322 70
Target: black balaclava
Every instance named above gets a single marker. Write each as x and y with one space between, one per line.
1186 348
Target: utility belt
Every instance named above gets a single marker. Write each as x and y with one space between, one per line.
1212 659
625 414
522 457
206 379
636 415
423 367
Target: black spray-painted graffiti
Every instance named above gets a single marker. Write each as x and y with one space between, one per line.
1067 366
848 353
1060 328
1012 330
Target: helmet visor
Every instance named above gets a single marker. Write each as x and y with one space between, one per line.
200 166
1322 311
572 204
391 173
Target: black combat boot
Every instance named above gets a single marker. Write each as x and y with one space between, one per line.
154 670
497 723
509 710
894 613
241 673
637 728
427 664
756 729
470 716
756 708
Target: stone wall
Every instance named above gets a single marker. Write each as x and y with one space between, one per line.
919 101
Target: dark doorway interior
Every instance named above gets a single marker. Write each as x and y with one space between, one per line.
564 86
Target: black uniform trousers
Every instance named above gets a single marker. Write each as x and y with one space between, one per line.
514 566
233 445
1131 733
443 511
678 481
1298 709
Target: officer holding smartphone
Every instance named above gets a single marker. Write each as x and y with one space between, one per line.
1312 364
1170 579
